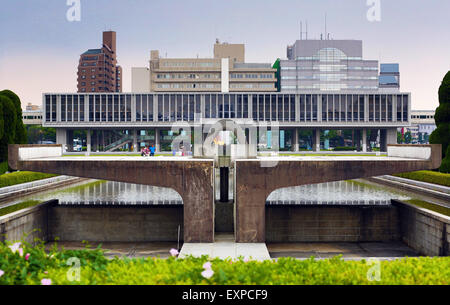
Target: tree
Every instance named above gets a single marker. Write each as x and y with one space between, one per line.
441 135
20 131
9 123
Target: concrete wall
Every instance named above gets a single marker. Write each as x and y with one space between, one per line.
423 230
331 223
119 224
32 221
224 217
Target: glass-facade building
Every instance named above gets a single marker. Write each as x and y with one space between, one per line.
128 121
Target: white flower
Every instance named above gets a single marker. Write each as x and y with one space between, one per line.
1 273
46 281
207 265
173 252
15 247
208 273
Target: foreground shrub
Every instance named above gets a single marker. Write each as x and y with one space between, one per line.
22 177
427 176
50 267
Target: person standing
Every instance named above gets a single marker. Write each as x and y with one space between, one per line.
152 151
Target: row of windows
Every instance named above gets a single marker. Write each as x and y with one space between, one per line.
331 68
191 64
187 76
331 77
252 75
264 107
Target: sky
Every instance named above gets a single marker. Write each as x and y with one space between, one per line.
40 48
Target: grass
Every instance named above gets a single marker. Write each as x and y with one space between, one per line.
18 206
430 206
427 176
22 177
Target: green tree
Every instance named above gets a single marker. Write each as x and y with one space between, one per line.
442 117
9 123
20 131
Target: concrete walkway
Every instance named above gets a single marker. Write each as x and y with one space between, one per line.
226 247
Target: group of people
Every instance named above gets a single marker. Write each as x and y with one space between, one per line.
148 151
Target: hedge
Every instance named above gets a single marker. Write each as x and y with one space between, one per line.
18 206
3 167
22 177
344 148
427 176
36 266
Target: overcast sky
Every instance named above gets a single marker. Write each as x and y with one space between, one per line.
40 48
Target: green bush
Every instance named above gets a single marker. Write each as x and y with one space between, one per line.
22 177
344 148
19 206
96 269
3 167
427 176
445 165
441 135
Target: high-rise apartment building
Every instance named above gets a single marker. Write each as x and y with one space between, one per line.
98 70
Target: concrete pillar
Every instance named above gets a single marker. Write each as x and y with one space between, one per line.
88 142
135 144
316 140
391 136
157 140
383 140
252 142
364 140
61 136
295 140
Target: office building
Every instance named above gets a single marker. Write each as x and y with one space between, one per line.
225 72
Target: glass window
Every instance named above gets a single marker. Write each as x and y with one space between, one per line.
274 107
150 107
76 112
314 106
324 108
261 107
128 107
138 107
116 108
82 118
104 101
207 106
160 107
255 107
47 108
191 107
267 107
302 107
172 107
308 108
63 108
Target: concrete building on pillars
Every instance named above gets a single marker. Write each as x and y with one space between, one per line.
330 96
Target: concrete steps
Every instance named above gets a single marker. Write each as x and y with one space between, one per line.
225 247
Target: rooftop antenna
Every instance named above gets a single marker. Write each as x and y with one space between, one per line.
301 30
306 29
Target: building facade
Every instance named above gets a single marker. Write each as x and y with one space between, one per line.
389 76
422 125
226 72
134 120
327 65
98 70
32 115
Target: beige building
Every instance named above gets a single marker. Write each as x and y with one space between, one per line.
226 72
